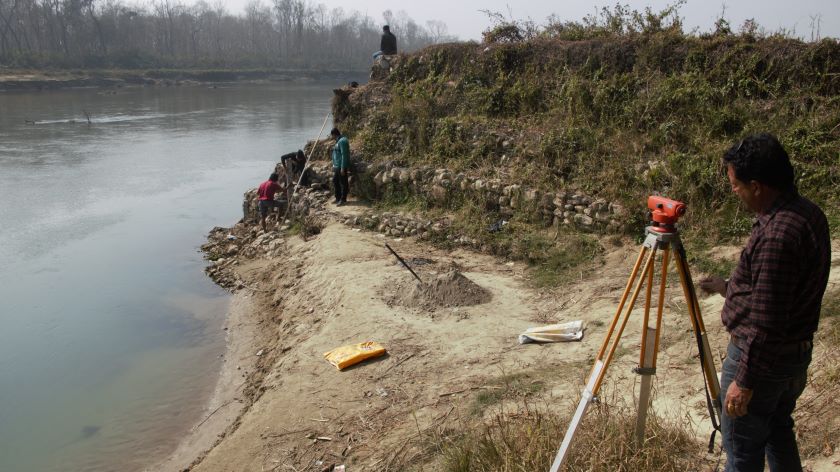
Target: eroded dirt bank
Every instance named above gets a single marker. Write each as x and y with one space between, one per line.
446 365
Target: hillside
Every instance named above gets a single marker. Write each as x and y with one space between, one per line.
616 118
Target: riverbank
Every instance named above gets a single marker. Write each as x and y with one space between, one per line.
450 367
11 80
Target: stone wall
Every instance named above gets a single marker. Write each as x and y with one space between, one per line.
442 186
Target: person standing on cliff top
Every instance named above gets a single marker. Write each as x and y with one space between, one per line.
341 165
772 308
388 43
265 193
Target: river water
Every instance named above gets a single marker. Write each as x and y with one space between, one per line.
110 333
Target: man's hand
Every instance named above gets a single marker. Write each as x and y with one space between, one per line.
736 400
714 284
343 171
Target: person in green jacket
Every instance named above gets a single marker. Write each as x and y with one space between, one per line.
340 164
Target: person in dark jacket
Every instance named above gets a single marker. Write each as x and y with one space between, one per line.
388 43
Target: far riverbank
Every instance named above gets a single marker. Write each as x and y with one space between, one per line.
11 80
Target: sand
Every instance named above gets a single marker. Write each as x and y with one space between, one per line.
447 342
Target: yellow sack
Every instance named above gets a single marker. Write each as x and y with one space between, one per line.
345 356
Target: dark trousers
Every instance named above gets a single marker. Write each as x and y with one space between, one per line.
767 428
341 183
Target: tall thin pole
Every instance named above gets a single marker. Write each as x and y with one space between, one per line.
305 167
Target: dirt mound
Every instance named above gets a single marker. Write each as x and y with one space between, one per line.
451 289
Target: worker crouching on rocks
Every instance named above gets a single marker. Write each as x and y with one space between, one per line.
265 194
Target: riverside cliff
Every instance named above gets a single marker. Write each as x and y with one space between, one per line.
522 166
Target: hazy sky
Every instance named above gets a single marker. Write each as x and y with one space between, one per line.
464 19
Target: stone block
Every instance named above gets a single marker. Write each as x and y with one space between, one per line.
438 193
583 220
531 195
547 201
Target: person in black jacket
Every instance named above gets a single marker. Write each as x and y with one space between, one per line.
388 43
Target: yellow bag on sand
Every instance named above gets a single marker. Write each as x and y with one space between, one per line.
345 356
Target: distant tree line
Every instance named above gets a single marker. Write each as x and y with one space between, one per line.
287 34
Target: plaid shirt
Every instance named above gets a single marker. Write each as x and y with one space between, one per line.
773 297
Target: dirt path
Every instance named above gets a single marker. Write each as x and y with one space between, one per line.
338 288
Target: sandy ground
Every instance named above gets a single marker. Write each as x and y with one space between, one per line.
296 412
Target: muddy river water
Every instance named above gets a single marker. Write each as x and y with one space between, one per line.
110 333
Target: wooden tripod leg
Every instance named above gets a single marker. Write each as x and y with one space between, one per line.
599 369
699 328
650 348
614 346
618 311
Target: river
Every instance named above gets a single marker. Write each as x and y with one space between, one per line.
110 333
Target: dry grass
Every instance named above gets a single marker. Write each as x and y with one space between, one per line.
818 411
528 440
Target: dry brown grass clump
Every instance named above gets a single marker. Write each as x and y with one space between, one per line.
528 441
818 411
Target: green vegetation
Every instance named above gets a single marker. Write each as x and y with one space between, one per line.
620 106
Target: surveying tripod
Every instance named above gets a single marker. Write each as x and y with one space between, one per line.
662 235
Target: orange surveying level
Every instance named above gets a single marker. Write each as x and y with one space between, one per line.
664 213
662 235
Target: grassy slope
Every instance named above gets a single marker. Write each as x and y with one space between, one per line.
618 118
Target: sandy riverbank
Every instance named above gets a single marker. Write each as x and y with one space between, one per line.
295 299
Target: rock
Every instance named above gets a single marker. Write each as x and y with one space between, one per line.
438 193
531 195
547 201
584 221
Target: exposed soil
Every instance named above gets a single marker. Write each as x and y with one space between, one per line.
449 345
448 290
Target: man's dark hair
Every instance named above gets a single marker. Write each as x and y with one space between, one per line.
274 177
386 28
762 158
335 132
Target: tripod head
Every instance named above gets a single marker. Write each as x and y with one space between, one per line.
664 213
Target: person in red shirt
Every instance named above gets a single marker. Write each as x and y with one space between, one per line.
266 193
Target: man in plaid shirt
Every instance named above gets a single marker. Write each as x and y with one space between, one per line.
772 308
